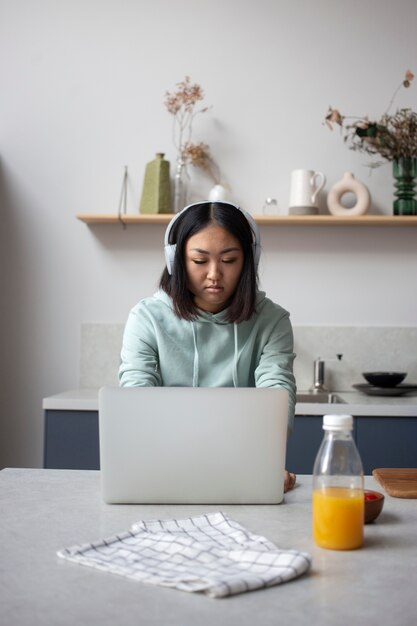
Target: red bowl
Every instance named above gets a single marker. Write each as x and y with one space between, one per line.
374 502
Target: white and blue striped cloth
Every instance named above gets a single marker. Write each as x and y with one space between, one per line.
209 553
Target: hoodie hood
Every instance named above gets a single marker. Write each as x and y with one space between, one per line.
206 316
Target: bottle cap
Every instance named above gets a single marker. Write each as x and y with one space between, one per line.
337 422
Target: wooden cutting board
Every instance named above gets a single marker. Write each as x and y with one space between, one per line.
398 482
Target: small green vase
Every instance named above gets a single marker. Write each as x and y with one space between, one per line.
404 170
156 191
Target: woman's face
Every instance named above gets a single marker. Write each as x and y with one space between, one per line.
213 262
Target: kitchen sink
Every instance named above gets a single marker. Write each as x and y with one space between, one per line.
320 398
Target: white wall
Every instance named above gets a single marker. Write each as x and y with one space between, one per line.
82 92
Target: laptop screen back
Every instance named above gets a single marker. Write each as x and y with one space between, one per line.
192 445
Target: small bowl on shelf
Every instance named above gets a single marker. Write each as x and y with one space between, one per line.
384 379
374 502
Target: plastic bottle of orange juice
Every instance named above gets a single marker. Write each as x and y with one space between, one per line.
338 500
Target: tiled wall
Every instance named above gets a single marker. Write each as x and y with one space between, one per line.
363 349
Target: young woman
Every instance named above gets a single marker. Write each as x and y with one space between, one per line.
209 325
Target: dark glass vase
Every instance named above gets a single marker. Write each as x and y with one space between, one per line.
404 170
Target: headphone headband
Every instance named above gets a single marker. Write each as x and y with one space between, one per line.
170 248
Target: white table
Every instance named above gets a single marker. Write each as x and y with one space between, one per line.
45 510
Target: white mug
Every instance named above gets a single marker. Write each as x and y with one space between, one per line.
305 188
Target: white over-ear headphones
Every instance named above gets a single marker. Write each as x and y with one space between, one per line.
170 248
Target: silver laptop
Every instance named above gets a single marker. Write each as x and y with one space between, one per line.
182 445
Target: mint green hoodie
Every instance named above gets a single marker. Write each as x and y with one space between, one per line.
160 349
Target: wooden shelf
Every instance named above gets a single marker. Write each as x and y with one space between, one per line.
270 220
136 218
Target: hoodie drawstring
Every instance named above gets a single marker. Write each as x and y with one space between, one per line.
196 359
235 378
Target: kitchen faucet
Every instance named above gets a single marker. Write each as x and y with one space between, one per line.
318 385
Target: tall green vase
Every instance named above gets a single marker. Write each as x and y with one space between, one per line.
404 170
156 191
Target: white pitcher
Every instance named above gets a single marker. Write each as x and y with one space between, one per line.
305 188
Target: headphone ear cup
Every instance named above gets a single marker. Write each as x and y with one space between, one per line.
256 249
255 252
256 245
170 249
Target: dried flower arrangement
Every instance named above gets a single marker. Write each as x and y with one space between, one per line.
391 137
182 105
198 154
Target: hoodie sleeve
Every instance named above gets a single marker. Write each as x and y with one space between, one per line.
139 356
275 367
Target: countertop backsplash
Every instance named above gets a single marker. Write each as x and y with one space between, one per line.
370 348
364 349
100 354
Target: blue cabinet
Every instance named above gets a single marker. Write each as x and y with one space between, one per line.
387 442
381 441
71 440
304 443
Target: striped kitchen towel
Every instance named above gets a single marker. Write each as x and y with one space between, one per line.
207 553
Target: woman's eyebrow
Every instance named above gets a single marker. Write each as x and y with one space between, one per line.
225 251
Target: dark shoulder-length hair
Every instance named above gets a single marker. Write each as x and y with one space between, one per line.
242 304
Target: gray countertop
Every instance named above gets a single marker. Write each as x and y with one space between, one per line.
356 403
45 510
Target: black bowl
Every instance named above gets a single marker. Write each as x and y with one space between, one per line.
384 379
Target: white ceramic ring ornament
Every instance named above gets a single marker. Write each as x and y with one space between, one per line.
348 184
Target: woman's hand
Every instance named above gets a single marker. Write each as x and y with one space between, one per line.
289 481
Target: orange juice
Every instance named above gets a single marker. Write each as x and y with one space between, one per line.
338 518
